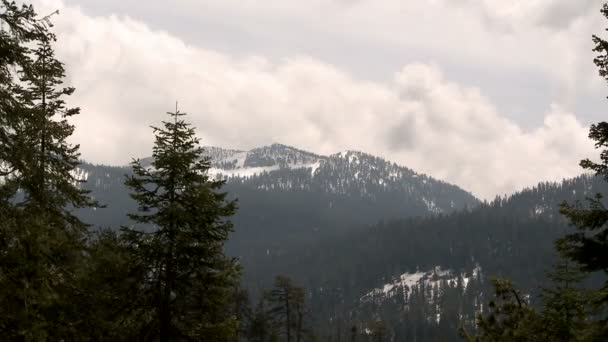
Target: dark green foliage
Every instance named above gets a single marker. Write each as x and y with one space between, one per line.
280 314
19 28
179 237
113 309
287 308
42 241
588 245
509 317
242 311
261 326
566 311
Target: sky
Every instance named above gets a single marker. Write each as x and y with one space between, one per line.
491 95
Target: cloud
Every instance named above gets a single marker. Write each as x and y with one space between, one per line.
553 14
127 75
463 138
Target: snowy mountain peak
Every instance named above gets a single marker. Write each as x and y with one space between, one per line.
281 155
349 173
236 163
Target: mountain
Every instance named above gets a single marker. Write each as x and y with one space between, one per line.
350 173
289 198
335 185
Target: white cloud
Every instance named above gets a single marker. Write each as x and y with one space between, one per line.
127 75
511 15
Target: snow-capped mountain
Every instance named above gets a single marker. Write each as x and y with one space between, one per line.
236 163
280 167
351 187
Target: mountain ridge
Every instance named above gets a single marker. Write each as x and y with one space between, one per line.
228 163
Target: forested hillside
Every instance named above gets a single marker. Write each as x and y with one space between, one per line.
509 237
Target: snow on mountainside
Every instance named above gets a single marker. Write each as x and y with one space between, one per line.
356 173
405 283
431 285
235 163
344 182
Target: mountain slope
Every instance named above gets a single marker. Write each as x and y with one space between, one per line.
339 181
421 276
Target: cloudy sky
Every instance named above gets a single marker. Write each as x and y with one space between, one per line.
491 95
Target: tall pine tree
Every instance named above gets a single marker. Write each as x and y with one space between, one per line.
565 313
41 240
179 235
588 245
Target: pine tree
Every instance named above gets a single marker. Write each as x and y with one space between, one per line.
42 241
261 325
179 235
509 318
588 245
112 273
18 29
298 296
242 311
565 313
282 304
288 308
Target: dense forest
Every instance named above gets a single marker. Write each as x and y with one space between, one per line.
189 244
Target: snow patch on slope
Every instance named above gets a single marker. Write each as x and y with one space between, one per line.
404 284
244 164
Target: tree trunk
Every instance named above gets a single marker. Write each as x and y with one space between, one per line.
299 327
165 306
288 313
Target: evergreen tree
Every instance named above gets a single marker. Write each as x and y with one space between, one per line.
242 311
261 326
565 313
18 28
509 319
287 308
281 301
179 236
588 245
116 311
41 239
299 310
